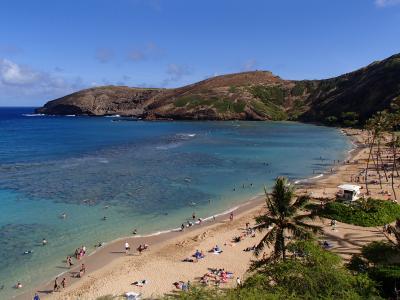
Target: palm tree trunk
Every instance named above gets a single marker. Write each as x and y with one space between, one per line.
394 164
369 157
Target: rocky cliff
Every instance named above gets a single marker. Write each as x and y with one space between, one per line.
255 95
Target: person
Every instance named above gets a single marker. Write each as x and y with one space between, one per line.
193 216
63 283
134 231
55 287
182 227
84 250
36 297
44 242
231 216
18 285
69 261
82 271
127 247
141 248
333 224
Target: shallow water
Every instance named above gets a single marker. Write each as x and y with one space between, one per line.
152 175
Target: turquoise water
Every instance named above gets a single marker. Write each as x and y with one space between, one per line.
148 173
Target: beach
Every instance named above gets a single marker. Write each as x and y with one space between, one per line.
110 271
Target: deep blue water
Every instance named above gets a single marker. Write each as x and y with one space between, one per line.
145 171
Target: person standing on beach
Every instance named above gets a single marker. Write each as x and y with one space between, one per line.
63 283
56 286
127 247
36 297
231 216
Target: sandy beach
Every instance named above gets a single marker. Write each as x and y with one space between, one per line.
111 272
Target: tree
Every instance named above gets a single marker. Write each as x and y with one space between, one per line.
285 218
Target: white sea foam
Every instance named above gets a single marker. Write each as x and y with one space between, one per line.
33 115
308 179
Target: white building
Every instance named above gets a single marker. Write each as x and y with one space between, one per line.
348 192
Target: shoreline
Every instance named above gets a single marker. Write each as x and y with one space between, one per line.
155 239
100 258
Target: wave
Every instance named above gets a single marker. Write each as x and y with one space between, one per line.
185 135
33 115
308 179
113 116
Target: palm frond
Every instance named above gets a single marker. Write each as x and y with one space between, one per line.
266 240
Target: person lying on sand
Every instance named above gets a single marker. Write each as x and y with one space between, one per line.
216 250
199 254
248 249
140 283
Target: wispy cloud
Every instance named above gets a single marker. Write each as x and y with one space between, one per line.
175 73
386 3
249 65
104 55
149 51
22 80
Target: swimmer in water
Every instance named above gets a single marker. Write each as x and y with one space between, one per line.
44 242
104 218
63 215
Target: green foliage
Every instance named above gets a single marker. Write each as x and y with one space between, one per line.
270 110
222 105
379 252
238 106
284 217
233 89
268 94
331 120
372 213
349 118
380 260
301 88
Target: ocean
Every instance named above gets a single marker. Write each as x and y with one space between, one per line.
145 175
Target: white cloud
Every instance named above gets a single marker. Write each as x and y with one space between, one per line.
18 81
386 3
11 73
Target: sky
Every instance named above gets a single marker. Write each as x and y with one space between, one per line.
50 48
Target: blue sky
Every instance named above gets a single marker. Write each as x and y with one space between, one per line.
51 48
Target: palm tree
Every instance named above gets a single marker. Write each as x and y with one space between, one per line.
284 217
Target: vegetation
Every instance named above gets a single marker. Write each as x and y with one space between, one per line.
270 110
366 213
268 94
282 218
310 273
349 119
301 88
381 261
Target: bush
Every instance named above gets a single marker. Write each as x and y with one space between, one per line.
380 260
371 213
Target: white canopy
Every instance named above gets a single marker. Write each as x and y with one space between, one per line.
349 187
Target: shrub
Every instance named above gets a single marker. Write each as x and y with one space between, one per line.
372 213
